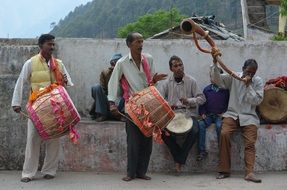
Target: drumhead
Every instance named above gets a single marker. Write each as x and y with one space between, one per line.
180 124
273 108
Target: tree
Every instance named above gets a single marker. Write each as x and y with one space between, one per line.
282 17
151 24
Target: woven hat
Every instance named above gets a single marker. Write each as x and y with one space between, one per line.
273 108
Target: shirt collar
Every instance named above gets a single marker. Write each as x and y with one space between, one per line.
172 79
214 87
132 60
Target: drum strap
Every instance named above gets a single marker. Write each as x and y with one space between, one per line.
125 84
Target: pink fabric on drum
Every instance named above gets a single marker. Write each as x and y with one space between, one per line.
36 121
54 114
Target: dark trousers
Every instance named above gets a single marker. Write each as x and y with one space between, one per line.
139 149
180 152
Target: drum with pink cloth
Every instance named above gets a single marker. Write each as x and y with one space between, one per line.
54 114
149 111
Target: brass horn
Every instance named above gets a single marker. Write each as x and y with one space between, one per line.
188 26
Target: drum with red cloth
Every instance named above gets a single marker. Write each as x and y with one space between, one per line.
149 111
53 113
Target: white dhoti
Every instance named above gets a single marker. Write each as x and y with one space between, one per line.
32 154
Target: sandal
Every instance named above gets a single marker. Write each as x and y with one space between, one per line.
25 179
201 156
222 175
127 178
145 177
251 177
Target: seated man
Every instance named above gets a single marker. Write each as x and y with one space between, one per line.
100 108
183 94
211 112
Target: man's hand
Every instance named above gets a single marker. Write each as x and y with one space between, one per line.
203 116
184 101
65 79
17 109
158 77
247 80
215 52
114 109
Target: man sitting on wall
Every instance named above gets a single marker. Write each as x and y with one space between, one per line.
100 108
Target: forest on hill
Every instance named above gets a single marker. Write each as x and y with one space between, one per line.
102 18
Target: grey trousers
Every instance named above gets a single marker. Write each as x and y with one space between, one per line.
101 103
32 154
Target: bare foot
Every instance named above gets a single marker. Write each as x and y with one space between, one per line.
177 167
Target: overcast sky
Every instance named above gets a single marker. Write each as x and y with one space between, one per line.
31 18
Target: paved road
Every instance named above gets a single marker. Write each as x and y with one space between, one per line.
10 180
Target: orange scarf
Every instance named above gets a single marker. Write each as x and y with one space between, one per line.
54 66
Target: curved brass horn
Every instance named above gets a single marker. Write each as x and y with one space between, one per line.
188 26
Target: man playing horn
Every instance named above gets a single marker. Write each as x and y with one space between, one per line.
39 72
183 94
240 115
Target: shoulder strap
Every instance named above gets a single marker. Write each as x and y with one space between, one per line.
125 84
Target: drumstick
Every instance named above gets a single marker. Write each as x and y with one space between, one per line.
24 114
125 117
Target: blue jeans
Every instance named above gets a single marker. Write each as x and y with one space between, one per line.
204 124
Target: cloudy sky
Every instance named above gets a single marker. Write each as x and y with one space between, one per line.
30 18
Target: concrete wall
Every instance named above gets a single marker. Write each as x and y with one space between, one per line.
85 58
102 147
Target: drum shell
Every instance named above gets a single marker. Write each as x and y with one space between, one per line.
180 124
149 105
273 108
53 114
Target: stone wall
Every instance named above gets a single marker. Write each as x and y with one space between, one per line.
85 58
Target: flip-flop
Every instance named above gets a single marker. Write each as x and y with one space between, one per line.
222 175
145 177
127 178
251 177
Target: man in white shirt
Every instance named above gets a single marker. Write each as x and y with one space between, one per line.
38 72
240 115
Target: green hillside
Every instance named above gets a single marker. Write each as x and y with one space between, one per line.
102 18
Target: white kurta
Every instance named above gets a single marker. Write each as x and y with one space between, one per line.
34 141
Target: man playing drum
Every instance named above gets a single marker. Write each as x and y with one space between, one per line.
183 94
39 72
131 75
240 115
